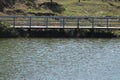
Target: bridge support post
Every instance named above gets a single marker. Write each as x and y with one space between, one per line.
61 30
76 31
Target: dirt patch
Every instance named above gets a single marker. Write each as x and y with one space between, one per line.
116 6
55 7
42 14
15 12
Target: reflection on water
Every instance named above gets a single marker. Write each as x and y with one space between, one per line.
59 59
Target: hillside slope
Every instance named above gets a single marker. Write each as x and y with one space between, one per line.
60 7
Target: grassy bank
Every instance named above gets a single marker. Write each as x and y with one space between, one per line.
6 31
64 8
59 8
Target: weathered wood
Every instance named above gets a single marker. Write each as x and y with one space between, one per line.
65 22
107 23
93 22
46 22
30 22
78 23
65 27
14 22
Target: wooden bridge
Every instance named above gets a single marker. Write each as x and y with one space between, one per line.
60 22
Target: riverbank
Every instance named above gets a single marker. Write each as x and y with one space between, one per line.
57 33
60 7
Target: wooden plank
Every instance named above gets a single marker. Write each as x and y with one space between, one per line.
66 27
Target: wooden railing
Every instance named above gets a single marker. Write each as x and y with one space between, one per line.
61 22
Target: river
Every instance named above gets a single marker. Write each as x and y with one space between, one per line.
59 59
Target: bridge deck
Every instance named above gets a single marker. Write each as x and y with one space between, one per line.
65 27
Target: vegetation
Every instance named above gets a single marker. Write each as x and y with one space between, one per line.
69 7
58 8
5 30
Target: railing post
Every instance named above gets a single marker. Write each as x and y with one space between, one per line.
78 23
13 22
46 22
30 22
63 22
93 22
107 23
93 26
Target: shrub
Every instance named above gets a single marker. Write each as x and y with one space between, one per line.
6 30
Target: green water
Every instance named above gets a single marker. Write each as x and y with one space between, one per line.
59 59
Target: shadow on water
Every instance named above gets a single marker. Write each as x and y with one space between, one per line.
61 33
67 33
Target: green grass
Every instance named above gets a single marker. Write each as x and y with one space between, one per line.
91 9
87 8
74 8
